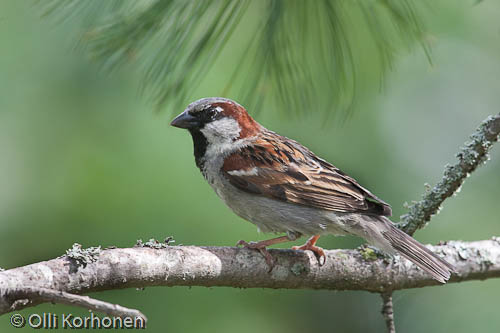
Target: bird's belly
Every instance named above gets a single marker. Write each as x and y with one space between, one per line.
271 215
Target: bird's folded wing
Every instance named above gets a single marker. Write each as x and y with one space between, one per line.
290 172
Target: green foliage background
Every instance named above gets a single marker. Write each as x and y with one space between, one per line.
84 159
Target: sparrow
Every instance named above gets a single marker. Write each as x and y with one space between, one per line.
282 187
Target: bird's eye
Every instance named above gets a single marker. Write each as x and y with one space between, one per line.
210 114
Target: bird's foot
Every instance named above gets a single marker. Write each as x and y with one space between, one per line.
261 246
310 245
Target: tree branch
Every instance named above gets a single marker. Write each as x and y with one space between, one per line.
470 157
24 295
388 312
243 268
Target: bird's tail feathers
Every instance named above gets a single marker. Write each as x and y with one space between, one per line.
417 253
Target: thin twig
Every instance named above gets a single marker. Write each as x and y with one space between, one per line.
470 157
44 295
387 312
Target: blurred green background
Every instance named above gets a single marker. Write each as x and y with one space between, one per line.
84 159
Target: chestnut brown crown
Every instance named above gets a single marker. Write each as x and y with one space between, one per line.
207 110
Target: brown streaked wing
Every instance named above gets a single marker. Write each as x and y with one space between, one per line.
283 169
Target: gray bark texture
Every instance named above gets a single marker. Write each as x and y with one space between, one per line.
388 312
358 269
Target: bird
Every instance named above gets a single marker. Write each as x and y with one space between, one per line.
284 188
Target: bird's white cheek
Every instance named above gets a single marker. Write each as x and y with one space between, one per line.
221 135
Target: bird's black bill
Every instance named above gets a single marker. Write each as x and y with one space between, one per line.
185 120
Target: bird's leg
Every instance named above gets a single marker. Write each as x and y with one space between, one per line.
261 246
310 245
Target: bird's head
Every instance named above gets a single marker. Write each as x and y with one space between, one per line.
219 120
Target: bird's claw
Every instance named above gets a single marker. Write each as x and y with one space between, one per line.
318 251
262 249
241 242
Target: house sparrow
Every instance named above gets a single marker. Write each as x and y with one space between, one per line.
282 187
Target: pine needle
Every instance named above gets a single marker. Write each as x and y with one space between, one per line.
307 56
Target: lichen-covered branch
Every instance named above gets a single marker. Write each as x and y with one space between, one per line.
388 312
243 268
473 154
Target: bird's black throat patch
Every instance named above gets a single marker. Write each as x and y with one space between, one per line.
200 147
